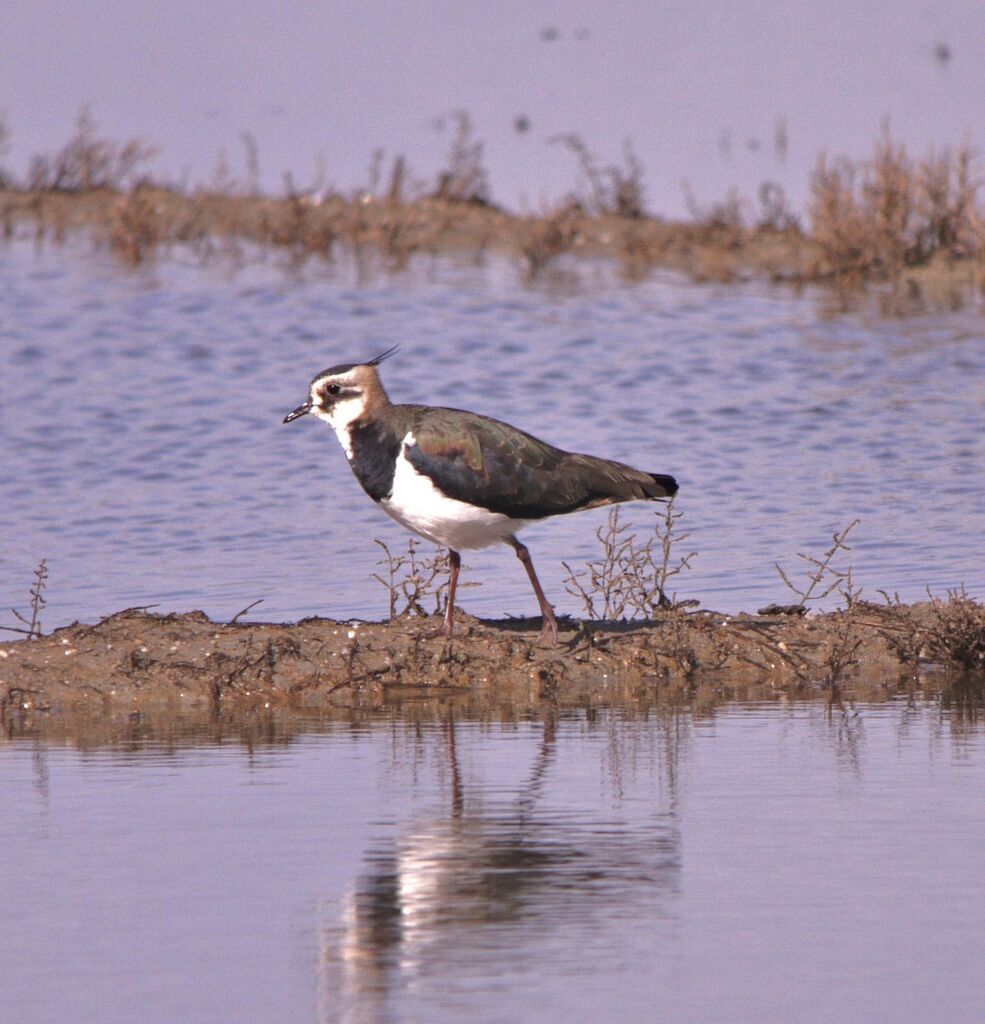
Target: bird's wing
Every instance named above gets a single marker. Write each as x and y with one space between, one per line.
485 462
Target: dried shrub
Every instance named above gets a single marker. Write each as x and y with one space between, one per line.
957 632
38 601
6 176
892 211
946 203
822 576
299 223
411 580
613 190
631 578
543 239
843 636
464 178
400 232
775 214
888 202
135 227
722 224
837 222
837 653
904 632
87 162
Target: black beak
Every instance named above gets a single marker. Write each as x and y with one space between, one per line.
301 410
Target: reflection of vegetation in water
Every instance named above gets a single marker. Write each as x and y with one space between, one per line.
963 705
165 729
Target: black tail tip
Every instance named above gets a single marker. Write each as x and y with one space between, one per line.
668 483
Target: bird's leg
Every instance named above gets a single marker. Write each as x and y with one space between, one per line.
549 629
455 561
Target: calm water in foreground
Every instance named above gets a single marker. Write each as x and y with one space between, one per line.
759 862
144 455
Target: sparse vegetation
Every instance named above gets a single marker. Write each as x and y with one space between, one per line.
882 219
6 177
630 579
956 634
879 217
612 191
679 654
464 179
135 658
822 576
38 601
838 650
951 631
88 162
542 239
412 580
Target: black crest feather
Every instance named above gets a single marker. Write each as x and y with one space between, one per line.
383 355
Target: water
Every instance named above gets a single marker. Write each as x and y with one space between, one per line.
766 861
144 455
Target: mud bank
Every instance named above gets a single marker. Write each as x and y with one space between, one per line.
135 660
382 235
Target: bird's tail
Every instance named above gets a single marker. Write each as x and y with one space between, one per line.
667 484
604 482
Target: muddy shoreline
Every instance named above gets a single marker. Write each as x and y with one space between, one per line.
383 235
135 661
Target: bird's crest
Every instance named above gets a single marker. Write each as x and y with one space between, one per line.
383 355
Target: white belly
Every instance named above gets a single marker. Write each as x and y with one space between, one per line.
418 505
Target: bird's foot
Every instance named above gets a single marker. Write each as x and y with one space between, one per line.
548 632
443 632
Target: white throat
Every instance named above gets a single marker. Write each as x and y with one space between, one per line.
341 416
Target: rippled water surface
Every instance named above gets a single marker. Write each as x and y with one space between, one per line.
765 862
144 455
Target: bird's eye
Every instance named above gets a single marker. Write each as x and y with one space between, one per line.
333 389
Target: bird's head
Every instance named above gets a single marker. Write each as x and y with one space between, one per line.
341 394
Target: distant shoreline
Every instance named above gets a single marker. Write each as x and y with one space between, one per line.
145 224
915 226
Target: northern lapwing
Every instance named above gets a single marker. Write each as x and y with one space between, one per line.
459 479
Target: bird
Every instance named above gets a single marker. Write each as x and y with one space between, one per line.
460 479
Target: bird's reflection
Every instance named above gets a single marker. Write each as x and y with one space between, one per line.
489 880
